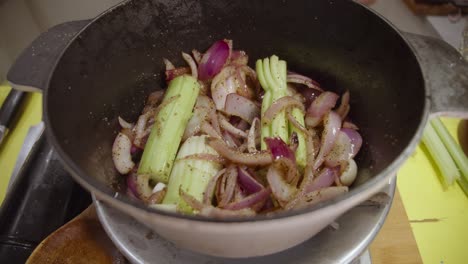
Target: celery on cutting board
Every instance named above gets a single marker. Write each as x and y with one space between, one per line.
168 129
190 174
453 148
441 156
272 74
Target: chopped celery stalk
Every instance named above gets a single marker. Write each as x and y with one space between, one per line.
440 155
169 126
463 183
453 148
272 74
191 174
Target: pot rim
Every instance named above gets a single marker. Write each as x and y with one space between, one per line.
95 186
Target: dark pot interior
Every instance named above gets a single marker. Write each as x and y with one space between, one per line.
116 62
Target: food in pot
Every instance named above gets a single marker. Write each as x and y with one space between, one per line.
227 140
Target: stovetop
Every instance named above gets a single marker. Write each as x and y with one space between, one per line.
41 199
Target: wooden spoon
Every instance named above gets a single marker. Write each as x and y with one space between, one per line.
82 240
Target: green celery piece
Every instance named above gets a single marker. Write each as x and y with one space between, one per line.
440 155
191 175
279 124
168 129
454 149
463 183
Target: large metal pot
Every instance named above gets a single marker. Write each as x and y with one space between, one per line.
105 70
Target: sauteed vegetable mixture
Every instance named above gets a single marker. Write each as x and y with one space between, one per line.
227 140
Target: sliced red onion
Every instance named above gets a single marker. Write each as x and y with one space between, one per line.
282 191
191 63
252 159
229 188
171 74
231 140
197 55
242 107
211 186
203 107
301 79
208 129
241 124
140 128
253 137
309 95
142 186
214 120
169 65
349 124
238 194
344 107
279 149
325 178
156 197
213 60
319 107
239 57
223 84
247 182
280 105
132 184
341 152
153 100
121 154
349 174
294 122
125 124
259 197
355 138
231 129
332 124
242 88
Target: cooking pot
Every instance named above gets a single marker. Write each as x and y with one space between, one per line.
93 71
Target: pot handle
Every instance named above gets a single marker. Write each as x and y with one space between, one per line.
31 70
445 73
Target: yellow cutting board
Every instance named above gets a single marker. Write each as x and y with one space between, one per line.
438 217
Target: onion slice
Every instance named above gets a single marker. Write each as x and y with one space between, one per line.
242 107
349 124
125 124
211 211
332 124
253 137
301 79
341 152
228 190
169 65
355 138
252 159
191 63
344 107
279 105
230 128
211 186
257 200
173 73
282 191
325 178
121 154
247 182
213 60
319 108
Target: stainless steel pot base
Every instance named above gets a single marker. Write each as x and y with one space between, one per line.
356 230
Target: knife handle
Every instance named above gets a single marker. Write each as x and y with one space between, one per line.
9 107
